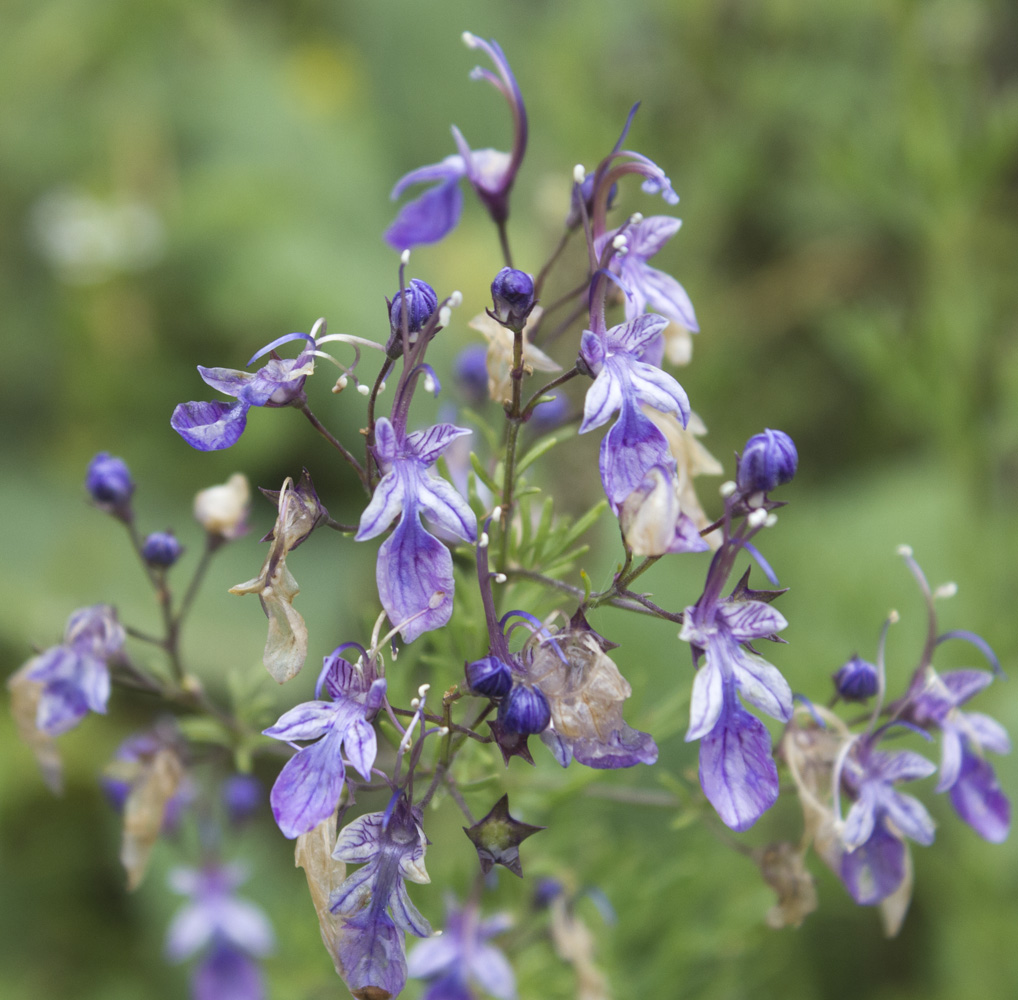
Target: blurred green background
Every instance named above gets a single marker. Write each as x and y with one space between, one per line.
181 182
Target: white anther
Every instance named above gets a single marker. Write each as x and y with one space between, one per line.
381 386
343 381
482 542
423 690
636 218
905 551
757 518
429 383
772 519
727 489
496 514
456 300
946 590
404 257
893 617
415 703
364 390
469 40
579 174
500 578
444 315
443 731
436 599
620 241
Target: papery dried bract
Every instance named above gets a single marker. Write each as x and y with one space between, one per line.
784 869
25 696
585 692
325 874
154 780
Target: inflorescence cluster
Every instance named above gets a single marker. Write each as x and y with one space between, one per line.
544 675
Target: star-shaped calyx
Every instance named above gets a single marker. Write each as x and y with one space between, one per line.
498 836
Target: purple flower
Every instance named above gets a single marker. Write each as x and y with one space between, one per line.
230 931
308 788
873 864
434 214
964 771
624 383
74 676
737 771
461 956
414 569
373 902
512 295
645 286
217 425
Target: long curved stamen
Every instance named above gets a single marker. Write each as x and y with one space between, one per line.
278 342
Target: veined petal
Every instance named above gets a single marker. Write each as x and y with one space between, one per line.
909 816
371 955
451 168
861 819
404 914
446 507
361 745
762 685
228 381
951 750
634 336
748 620
308 788
658 389
979 801
385 505
649 236
304 722
210 426
666 296
737 771
630 449
414 577
603 398
359 841
428 444
902 765
875 869
429 217
965 684
707 700
982 730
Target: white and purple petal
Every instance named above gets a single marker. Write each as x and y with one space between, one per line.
655 388
210 426
979 801
361 746
428 444
385 506
861 819
308 787
360 841
603 398
737 771
445 507
415 578
306 721
986 732
762 685
707 700
630 449
909 816
748 620
875 869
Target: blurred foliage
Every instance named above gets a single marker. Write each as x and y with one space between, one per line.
182 182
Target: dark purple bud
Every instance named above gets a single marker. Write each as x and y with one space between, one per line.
547 889
471 373
161 549
108 480
243 795
421 303
525 710
857 680
767 461
489 677
512 293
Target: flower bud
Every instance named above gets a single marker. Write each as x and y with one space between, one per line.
243 795
222 510
471 373
512 293
421 303
768 460
161 549
108 481
489 677
525 710
857 680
